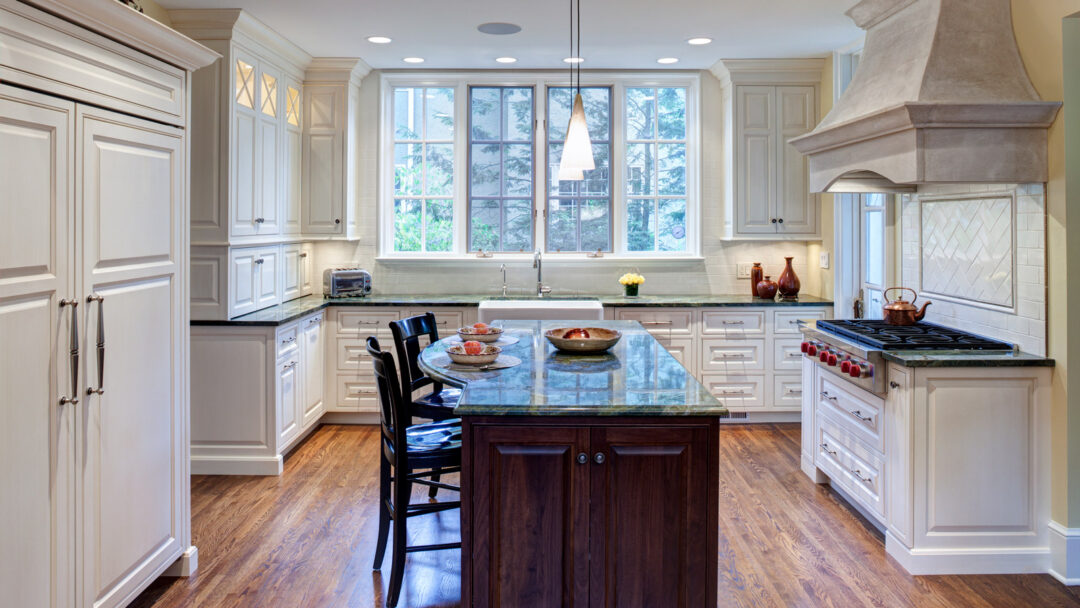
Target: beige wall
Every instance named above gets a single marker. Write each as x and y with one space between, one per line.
1038 28
153 9
715 275
822 276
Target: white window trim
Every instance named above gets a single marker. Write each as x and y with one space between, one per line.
460 82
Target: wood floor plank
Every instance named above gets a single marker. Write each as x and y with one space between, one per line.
306 539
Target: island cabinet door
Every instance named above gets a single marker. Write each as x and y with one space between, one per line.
654 522
530 525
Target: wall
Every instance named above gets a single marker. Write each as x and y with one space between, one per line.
824 276
1038 28
714 275
155 11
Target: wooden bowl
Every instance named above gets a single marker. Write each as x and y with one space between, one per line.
599 340
488 355
468 333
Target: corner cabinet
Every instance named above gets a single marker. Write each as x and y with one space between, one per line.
766 104
597 512
93 315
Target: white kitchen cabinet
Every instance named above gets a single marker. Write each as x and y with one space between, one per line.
93 246
766 104
288 399
312 359
291 270
309 282
255 279
292 161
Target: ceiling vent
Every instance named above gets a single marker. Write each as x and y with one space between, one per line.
940 96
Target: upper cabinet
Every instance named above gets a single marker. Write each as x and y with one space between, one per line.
246 132
766 104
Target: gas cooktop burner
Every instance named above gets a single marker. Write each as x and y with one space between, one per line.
921 336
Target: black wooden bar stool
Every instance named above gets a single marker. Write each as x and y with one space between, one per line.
410 454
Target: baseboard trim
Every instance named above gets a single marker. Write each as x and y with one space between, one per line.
762 417
236 465
1064 554
350 418
185 565
921 562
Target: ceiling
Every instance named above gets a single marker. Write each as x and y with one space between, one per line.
615 34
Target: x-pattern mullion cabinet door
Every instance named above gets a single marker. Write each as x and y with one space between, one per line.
37 436
130 197
244 149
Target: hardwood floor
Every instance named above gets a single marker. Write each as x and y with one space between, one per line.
306 539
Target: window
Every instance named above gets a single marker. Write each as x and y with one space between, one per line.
501 168
655 174
423 169
470 166
874 236
579 212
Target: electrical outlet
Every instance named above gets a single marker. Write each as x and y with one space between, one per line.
742 271
824 259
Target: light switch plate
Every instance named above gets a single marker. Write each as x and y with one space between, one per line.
824 259
742 271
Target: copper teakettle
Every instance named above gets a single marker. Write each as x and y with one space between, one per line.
902 312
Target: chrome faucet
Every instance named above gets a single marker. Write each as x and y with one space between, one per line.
503 269
538 264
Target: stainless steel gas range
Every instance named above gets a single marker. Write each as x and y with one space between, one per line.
853 349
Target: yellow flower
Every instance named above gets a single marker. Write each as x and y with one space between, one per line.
631 278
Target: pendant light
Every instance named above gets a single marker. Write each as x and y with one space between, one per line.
577 154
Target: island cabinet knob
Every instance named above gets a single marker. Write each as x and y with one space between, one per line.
599 458
582 458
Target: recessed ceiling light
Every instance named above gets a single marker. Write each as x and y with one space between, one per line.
699 41
668 60
413 60
506 59
573 60
379 40
498 29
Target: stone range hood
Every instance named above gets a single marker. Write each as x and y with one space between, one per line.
940 96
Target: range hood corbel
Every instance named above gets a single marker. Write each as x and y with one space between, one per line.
941 96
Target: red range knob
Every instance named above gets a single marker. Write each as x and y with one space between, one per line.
824 356
811 349
804 347
856 371
832 360
845 366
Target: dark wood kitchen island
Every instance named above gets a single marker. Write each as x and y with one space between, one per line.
586 480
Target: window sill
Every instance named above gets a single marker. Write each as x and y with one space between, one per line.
550 259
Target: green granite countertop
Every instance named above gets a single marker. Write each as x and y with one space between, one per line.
637 377
295 309
965 358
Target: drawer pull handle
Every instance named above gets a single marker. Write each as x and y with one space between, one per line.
443 322
826 395
599 458
734 356
792 391
858 414
794 355
732 392
733 322
858 474
893 384
288 340
260 261
303 255
793 322
363 391
656 322
825 448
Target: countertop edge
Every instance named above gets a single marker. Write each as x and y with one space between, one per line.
965 360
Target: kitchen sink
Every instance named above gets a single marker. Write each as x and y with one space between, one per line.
543 309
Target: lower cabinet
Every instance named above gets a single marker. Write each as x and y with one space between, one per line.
589 512
256 391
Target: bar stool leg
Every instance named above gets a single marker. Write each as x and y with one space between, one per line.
384 512
402 489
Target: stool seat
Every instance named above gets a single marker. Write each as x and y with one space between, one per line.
434 436
437 405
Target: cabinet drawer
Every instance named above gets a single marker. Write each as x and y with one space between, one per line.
787 321
861 413
787 391
851 465
680 348
733 324
356 394
736 391
787 354
287 340
352 356
660 322
447 321
732 356
366 323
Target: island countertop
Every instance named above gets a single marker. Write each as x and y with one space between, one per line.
637 377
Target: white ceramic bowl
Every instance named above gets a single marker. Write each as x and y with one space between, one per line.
488 355
469 333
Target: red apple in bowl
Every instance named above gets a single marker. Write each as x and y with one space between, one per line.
472 347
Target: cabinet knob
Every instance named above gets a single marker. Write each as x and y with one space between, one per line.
893 384
780 220
599 458
582 458
337 221
259 220
774 220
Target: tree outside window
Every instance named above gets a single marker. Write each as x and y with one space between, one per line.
423 169
655 169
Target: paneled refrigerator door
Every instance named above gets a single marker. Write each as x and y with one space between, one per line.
131 199
37 351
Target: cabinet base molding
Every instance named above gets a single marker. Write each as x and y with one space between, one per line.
236 465
1064 554
763 418
350 418
968 561
185 565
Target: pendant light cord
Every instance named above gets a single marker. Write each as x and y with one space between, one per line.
578 47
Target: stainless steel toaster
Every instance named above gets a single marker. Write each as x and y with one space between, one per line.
346 282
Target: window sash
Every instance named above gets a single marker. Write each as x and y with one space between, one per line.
420 147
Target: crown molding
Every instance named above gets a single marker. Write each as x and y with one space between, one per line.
769 71
232 24
132 28
336 69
